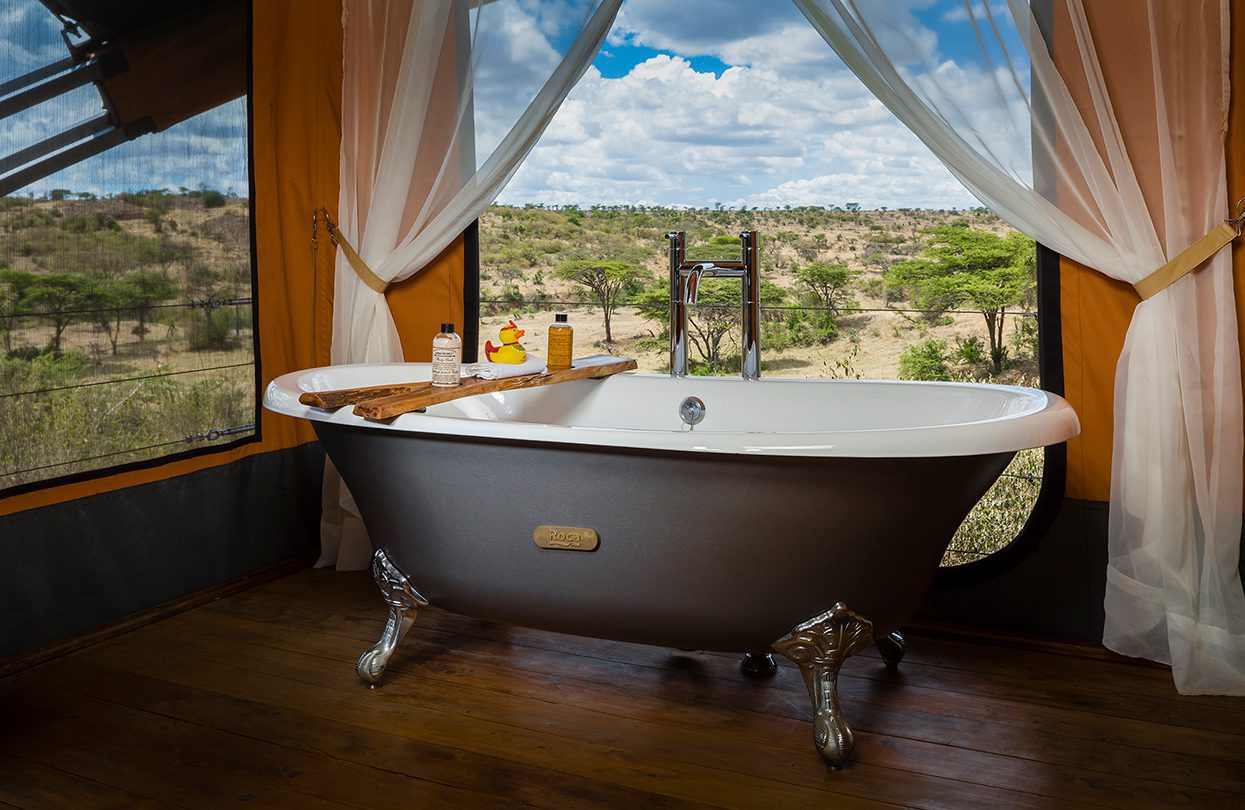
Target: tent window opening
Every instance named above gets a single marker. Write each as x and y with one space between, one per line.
875 262
127 327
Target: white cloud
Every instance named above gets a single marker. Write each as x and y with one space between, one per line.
33 34
785 123
671 135
959 13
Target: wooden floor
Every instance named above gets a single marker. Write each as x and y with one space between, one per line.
253 698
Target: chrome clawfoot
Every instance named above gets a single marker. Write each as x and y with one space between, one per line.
820 646
892 648
401 597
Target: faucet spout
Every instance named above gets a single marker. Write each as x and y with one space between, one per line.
691 282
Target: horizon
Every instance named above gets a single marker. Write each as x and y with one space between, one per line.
75 196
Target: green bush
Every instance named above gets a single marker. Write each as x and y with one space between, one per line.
924 361
999 357
1025 336
970 350
213 199
800 332
26 353
209 331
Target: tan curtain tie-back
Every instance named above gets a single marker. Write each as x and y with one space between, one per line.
360 267
1191 257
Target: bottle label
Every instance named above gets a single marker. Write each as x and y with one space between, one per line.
560 341
446 365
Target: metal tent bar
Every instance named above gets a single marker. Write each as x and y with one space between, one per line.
74 78
36 75
37 171
52 143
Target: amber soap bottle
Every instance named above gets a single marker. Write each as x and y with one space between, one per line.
561 341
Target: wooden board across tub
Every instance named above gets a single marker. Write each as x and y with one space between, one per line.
387 401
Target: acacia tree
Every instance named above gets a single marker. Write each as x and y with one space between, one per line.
607 282
964 267
829 288
57 297
715 315
143 291
14 302
103 300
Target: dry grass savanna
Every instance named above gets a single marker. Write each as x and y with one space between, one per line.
103 360
846 293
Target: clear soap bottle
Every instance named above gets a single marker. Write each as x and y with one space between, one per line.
561 341
447 357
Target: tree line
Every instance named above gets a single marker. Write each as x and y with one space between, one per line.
113 305
958 268
62 299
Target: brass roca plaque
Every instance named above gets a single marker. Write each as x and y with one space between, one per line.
569 538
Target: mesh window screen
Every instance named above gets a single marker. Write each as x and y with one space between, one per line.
126 326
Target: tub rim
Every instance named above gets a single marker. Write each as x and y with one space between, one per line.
1051 421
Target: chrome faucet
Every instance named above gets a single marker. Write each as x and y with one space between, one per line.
685 276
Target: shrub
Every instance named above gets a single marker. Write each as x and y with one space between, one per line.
970 350
998 356
1025 337
210 331
26 353
213 199
924 361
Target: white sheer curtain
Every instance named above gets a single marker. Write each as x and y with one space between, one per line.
429 85
1173 588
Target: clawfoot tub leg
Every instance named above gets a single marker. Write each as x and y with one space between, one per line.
401 597
892 648
820 646
758 665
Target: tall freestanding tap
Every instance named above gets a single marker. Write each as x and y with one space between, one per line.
685 276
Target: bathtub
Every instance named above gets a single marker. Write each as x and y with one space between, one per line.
805 516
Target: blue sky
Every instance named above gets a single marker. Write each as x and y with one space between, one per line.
616 61
696 103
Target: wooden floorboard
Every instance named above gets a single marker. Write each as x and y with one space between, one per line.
253 698
24 782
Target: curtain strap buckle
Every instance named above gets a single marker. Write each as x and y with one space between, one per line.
361 269
1192 257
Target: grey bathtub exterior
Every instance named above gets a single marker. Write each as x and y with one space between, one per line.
702 551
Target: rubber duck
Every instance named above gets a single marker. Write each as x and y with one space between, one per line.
509 351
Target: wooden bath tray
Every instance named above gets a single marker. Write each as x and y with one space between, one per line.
387 401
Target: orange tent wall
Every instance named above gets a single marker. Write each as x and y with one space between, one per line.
296 133
422 303
1096 310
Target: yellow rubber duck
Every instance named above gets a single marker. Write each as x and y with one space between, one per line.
509 351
